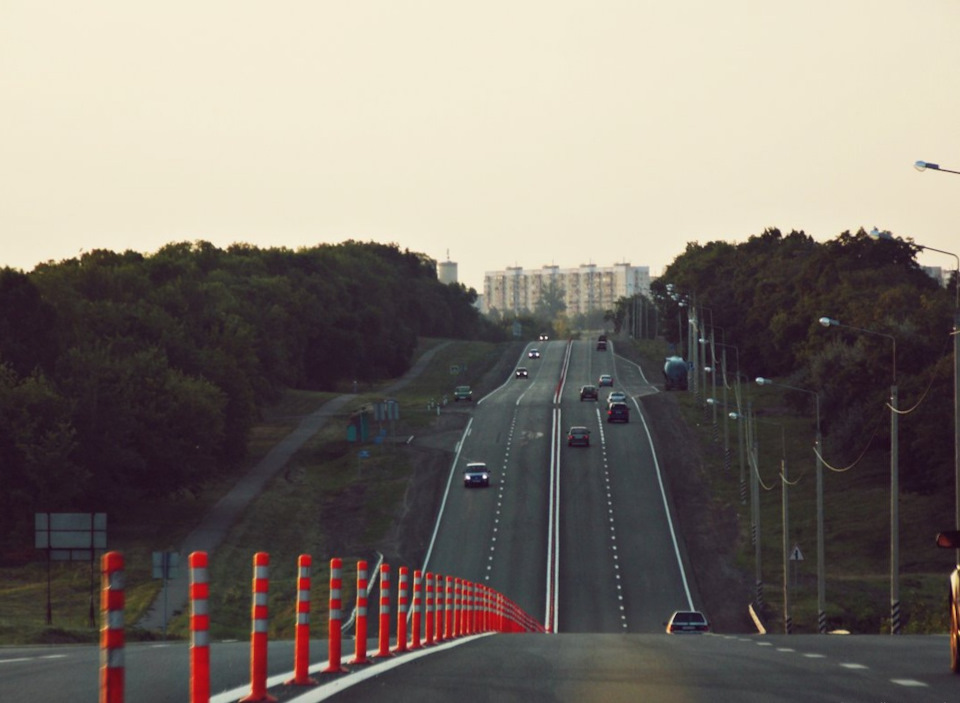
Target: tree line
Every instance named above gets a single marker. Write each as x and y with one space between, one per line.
124 374
765 297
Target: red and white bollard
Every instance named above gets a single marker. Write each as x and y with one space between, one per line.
402 604
417 623
112 637
448 610
199 629
335 644
458 607
259 630
384 634
429 616
301 646
360 629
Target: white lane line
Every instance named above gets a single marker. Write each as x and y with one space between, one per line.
853 665
913 683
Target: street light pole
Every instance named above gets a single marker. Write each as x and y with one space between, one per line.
818 447
894 478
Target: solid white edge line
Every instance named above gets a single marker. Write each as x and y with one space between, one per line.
443 503
324 691
666 509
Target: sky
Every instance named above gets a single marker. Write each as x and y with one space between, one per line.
492 134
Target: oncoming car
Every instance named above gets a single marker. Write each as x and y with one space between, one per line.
687 622
476 474
462 393
522 372
578 437
533 354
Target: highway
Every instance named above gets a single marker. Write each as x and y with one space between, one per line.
582 539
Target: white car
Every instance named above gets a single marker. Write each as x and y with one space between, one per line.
616 397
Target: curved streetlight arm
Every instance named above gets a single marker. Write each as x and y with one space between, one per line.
924 165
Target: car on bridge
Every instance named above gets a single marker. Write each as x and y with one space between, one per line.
589 392
687 622
476 474
578 437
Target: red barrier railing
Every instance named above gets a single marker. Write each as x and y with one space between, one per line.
360 629
384 626
199 629
112 634
301 647
453 608
259 630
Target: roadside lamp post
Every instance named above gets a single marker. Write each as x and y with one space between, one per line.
818 450
922 166
894 478
751 419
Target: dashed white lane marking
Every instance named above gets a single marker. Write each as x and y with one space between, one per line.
913 683
852 665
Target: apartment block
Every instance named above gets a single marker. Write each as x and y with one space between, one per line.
585 289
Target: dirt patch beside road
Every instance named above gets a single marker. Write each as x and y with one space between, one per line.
708 531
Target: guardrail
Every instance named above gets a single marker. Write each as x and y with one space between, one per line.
461 608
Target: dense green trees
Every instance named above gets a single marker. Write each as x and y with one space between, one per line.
766 295
125 374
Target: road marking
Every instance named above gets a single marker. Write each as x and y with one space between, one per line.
851 665
913 683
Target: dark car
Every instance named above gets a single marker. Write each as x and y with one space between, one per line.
618 412
522 372
951 540
605 380
462 393
534 354
589 393
601 345
578 437
687 622
476 474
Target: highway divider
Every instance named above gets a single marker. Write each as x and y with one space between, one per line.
469 609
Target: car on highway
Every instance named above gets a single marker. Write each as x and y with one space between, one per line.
616 397
544 338
522 372
602 345
687 622
476 474
589 392
618 412
605 380
533 354
462 393
578 437
950 539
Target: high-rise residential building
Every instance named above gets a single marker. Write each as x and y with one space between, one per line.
584 289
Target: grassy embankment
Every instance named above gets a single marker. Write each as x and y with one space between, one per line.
856 518
324 496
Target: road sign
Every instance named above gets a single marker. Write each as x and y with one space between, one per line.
796 554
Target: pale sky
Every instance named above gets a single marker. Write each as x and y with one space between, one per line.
505 132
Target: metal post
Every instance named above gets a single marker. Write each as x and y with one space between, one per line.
785 510
894 515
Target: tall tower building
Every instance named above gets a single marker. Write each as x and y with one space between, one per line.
447 270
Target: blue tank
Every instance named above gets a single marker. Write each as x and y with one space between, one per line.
675 373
